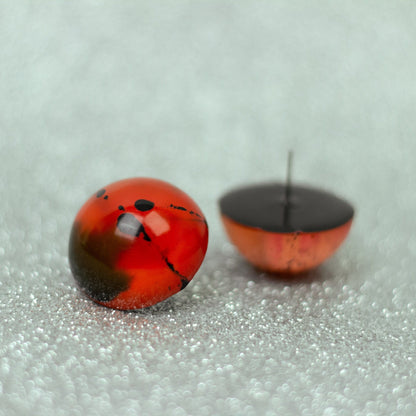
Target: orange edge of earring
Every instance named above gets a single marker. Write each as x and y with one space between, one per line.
288 253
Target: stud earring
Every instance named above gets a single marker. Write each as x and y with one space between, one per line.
137 242
285 228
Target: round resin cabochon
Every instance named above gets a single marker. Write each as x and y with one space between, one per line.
285 237
136 242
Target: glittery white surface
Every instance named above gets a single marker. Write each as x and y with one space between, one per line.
209 95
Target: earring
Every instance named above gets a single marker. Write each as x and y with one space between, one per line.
137 242
285 228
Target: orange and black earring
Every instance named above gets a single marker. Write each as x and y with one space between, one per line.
285 228
136 242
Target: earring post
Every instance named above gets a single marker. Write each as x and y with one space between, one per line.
288 187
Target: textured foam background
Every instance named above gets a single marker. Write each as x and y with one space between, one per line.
209 95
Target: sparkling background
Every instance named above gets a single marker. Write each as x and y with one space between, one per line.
209 95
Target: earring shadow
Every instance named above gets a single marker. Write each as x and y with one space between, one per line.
319 274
